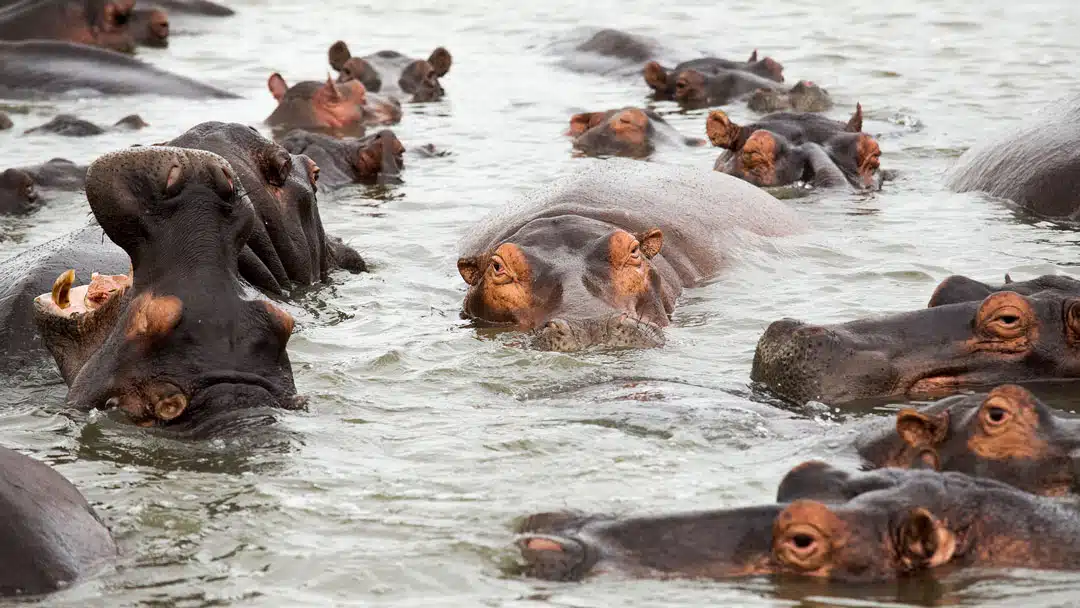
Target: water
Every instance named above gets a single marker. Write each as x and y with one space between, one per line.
426 438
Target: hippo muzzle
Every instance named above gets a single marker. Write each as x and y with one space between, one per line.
618 330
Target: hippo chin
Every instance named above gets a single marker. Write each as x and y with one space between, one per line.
972 335
600 258
174 343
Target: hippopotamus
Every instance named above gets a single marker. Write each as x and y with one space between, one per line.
805 96
828 524
694 89
51 537
1036 165
629 131
174 343
1006 434
600 257
20 188
101 23
394 74
972 335
43 66
377 158
336 108
796 127
671 83
5 122
771 159
150 27
620 45
73 126
195 7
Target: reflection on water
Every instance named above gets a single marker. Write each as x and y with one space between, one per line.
427 436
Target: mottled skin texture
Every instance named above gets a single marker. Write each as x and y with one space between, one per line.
150 27
21 188
49 536
805 96
600 258
1006 434
969 337
621 45
796 127
377 158
339 109
770 159
101 23
73 126
838 526
1036 165
668 83
42 67
391 73
630 132
180 346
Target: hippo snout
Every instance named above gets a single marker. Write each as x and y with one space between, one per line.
610 331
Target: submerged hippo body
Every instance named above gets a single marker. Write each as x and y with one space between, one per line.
972 335
1036 165
36 67
394 74
51 537
69 125
630 132
601 257
805 96
102 23
861 527
671 83
21 188
619 45
375 158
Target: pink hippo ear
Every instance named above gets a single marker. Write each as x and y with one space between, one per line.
331 88
854 124
753 57
277 86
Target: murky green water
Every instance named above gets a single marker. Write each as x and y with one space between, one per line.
426 438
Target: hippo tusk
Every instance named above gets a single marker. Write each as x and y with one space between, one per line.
61 289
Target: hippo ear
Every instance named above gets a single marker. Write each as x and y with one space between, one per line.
339 54
153 318
331 89
281 322
651 241
854 125
1008 279
579 123
440 59
753 57
471 269
920 430
655 76
277 86
925 542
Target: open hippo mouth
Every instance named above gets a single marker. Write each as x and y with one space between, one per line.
618 330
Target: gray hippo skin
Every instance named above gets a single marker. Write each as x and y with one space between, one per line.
50 536
40 67
600 258
1036 165
21 187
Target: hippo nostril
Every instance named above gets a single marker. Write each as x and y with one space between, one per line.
802 541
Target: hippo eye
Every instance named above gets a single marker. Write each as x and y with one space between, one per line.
996 415
1007 323
500 274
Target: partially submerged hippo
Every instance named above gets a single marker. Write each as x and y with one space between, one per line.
150 27
175 343
670 83
1036 165
5 122
631 132
796 127
51 537
620 45
73 126
391 73
600 258
838 526
805 96
336 108
694 89
377 158
40 67
1006 434
972 335
770 159
101 23
20 188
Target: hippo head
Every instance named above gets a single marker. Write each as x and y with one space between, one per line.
419 78
625 132
577 281
339 109
972 335
1007 435
805 96
17 192
176 344
691 89
150 27
769 159
766 68
377 158
858 156
287 244
110 24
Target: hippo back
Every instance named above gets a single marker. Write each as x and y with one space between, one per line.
1036 165
49 534
705 216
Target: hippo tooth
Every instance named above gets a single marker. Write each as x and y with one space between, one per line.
61 288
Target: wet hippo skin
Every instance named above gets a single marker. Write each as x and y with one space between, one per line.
103 23
805 96
969 337
339 109
394 74
150 27
38 67
21 188
599 258
630 132
796 127
193 7
768 158
665 82
51 537
73 126
376 158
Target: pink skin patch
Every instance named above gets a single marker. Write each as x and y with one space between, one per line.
86 298
543 544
